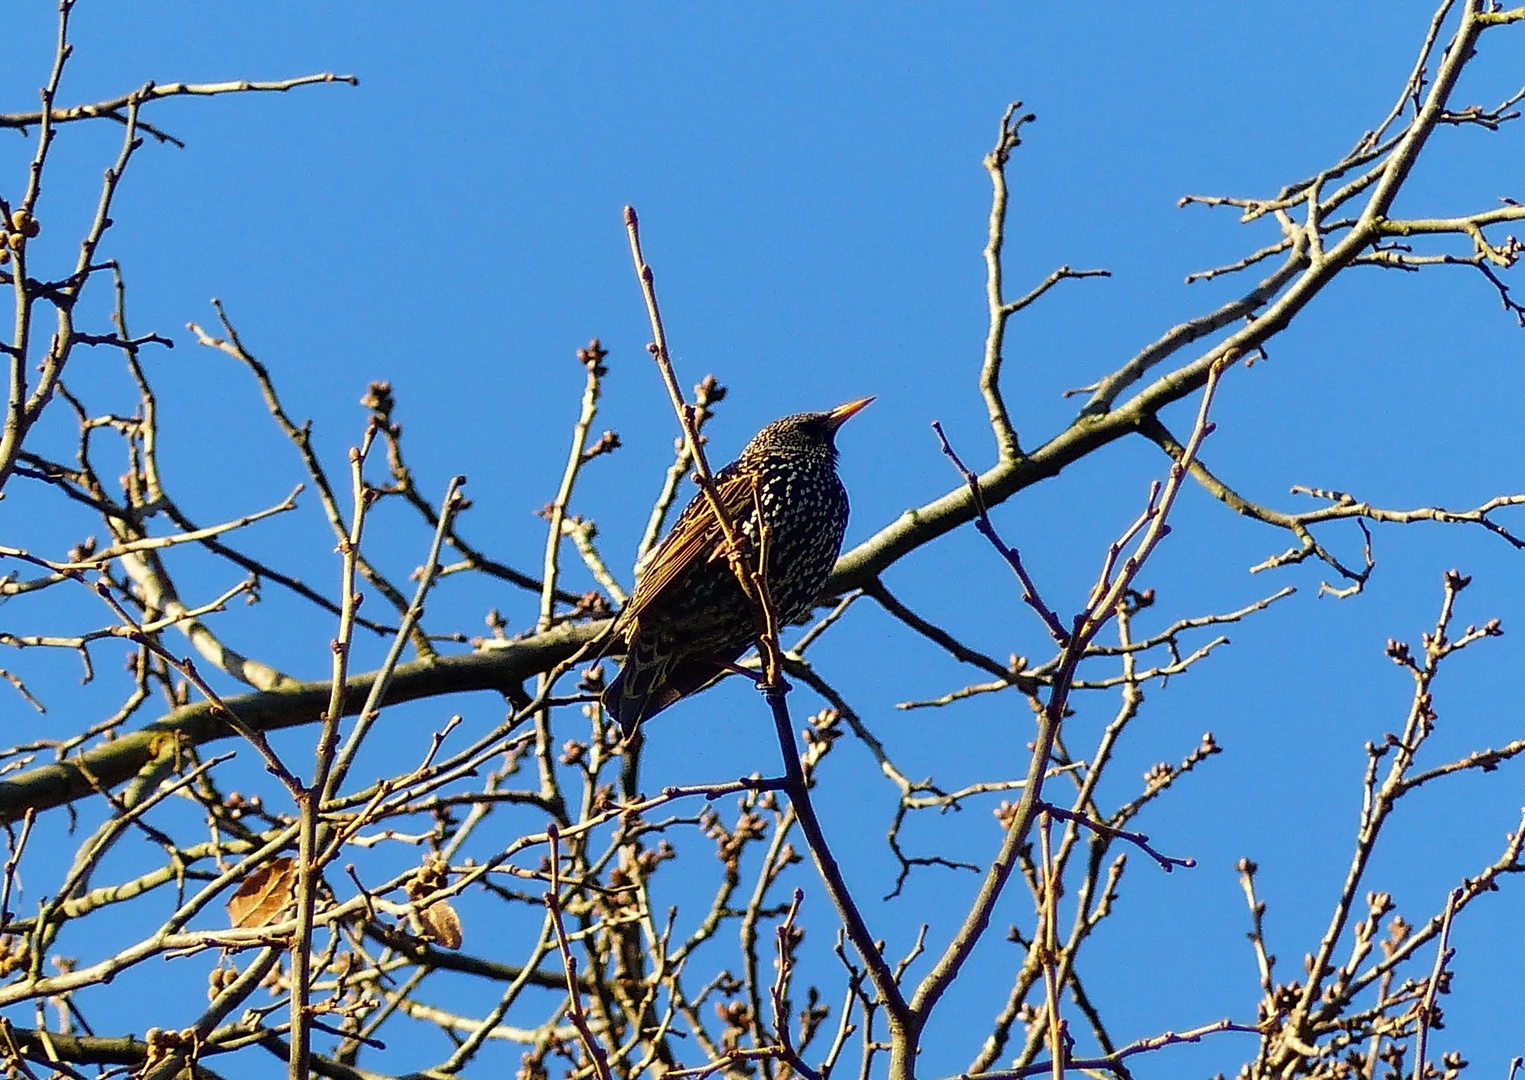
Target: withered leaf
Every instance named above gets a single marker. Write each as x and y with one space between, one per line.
264 895
443 924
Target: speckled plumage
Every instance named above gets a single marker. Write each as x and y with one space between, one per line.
688 619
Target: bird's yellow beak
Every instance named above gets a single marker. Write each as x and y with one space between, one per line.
842 413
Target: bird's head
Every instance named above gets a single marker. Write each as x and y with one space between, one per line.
804 433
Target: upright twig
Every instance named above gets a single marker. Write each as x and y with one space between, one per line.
309 868
1109 590
1047 941
1000 310
592 359
598 1057
1443 954
748 576
774 688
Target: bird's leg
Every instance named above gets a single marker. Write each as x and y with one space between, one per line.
736 669
759 679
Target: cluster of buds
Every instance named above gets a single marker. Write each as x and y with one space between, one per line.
603 798
532 1064
737 1017
1281 1002
1398 932
650 858
591 681
237 805
730 843
607 443
573 752
439 920
591 604
219 979
822 732
1159 776
161 1044
13 954
592 358
22 227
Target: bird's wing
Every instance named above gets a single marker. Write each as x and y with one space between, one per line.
695 536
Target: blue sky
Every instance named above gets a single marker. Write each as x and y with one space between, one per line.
812 198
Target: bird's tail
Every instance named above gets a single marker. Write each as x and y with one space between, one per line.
651 680
629 698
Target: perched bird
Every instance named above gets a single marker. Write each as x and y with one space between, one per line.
688 621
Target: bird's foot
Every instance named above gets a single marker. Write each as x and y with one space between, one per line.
774 689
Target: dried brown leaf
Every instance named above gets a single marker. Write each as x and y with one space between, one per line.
443 924
264 895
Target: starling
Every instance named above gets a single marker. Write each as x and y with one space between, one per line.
688 621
